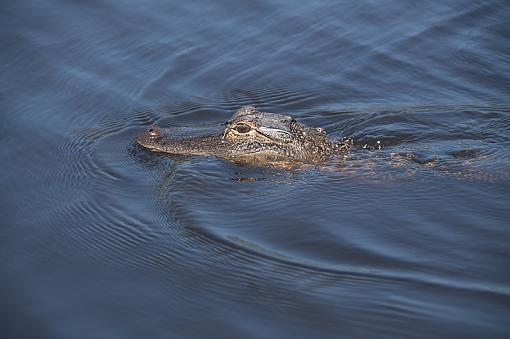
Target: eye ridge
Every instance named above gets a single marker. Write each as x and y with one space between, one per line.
243 128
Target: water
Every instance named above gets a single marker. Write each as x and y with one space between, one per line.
407 237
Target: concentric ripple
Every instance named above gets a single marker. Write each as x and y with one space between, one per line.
406 236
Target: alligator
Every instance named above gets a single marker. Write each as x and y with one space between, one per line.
253 138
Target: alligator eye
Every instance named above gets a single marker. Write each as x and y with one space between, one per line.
243 128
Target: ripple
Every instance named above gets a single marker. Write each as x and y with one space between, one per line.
267 98
235 217
242 252
404 236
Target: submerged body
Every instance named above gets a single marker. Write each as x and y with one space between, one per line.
252 137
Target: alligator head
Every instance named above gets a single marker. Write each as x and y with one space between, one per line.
251 137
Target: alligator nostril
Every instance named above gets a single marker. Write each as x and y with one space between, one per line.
153 131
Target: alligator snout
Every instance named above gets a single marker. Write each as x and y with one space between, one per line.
149 137
154 131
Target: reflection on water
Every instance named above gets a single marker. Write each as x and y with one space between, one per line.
404 236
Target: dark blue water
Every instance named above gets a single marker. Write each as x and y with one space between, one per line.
407 236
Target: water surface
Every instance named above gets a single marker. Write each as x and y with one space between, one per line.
406 236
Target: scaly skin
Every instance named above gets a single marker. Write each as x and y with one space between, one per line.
252 137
